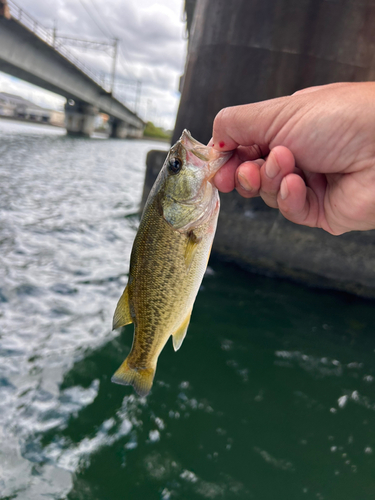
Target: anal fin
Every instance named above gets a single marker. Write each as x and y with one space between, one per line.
179 335
122 314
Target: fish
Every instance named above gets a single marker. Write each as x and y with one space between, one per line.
169 257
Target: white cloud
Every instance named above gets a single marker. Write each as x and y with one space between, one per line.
152 47
35 94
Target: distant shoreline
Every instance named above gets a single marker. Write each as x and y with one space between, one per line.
25 120
99 131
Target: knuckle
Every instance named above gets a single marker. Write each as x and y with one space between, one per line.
218 119
222 117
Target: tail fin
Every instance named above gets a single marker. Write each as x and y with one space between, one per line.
140 378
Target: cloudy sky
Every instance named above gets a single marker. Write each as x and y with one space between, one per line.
152 49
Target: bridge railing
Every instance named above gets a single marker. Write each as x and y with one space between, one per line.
47 36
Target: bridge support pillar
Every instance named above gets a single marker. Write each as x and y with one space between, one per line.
121 130
80 118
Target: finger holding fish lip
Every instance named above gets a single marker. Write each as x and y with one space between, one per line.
227 179
224 179
276 179
252 176
248 178
279 163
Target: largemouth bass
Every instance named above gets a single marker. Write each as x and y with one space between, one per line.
169 257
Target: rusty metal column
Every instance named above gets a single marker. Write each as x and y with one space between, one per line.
4 9
250 50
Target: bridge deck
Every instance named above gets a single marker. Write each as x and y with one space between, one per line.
24 55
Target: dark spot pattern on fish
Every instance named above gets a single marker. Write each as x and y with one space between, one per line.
169 258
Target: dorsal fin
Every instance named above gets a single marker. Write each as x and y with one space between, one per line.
122 314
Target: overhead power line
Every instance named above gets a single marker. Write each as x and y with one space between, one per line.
123 63
116 45
102 18
84 43
123 60
92 17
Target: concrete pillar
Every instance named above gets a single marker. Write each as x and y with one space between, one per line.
80 118
122 130
136 133
244 51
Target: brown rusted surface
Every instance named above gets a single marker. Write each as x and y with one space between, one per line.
250 50
4 9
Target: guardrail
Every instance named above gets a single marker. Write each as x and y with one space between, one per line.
47 35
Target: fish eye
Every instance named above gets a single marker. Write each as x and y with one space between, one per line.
174 165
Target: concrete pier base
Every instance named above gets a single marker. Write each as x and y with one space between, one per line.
80 119
122 130
119 129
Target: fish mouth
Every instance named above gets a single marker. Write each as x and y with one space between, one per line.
214 159
197 148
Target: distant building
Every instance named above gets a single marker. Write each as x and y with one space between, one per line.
6 106
14 105
57 118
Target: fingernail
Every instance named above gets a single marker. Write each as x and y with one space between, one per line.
244 183
272 167
284 191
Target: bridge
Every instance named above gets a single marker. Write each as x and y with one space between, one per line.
32 53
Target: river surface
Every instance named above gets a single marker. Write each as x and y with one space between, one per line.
272 395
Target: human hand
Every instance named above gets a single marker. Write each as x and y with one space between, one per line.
311 155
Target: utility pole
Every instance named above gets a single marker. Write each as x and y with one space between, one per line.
54 32
109 47
149 109
138 95
114 57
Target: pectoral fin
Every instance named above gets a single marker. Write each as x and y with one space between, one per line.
122 314
179 334
191 248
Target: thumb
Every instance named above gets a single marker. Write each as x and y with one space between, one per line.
250 124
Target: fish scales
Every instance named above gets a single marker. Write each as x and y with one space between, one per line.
169 258
161 306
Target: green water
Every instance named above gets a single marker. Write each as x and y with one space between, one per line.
272 395
248 409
